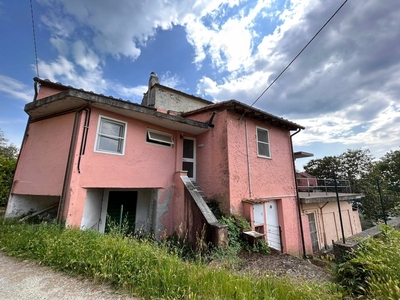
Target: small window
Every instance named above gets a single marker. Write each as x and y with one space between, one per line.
160 138
110 136
263 149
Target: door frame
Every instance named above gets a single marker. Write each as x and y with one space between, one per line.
192 160
273 227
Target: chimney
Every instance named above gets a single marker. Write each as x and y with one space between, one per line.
149 97
153 79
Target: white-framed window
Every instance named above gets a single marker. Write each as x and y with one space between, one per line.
159 138
111 136
263 149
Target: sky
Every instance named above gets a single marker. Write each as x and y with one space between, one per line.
344 88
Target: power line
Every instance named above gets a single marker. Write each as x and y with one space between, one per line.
34 40
283 71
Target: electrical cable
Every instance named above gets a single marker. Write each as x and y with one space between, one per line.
34 41
309 42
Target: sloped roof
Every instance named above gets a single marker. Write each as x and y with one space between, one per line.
78 98
232 105
248 111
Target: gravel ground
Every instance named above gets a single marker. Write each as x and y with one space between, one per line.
281 264
23 280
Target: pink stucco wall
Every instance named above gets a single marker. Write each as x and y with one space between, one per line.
46 91
223 172
143 165
268 176
212 161
43 159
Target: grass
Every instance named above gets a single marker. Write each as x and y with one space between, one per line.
373 270
144 268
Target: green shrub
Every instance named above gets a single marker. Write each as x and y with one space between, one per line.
373 270
236 225
144 268
7 168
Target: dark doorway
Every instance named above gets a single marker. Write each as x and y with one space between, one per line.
121 202
189 158
313 232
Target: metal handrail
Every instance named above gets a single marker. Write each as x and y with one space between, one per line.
327 185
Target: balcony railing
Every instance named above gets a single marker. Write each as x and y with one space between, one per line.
327 185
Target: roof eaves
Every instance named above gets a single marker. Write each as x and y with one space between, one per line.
94 99
234 104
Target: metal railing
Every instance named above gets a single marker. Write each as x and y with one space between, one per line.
326 185
274 237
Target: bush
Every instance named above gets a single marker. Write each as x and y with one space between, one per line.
236 225
7 168
373 270
144 268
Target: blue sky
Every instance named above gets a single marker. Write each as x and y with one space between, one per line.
345 88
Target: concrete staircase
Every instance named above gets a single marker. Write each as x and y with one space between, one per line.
199 191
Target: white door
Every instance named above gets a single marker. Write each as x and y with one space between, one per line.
273 232
258 210
189 158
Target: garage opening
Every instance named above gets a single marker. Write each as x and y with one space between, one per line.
121 207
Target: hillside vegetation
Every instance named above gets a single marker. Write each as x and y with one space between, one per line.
145 268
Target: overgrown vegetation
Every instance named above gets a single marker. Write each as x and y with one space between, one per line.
7 167
145 268
373 270
236 225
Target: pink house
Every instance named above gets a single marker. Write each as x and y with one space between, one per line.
86 156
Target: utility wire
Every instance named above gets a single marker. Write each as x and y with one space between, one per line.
34 40
283 71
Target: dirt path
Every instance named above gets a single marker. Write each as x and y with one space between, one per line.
23 280
280 264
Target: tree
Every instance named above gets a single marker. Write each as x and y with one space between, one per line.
324 167
363 174
354 165
389 167
9 151
8 163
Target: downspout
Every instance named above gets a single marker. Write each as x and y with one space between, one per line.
69 163
82 149
297 195
248 160
323 223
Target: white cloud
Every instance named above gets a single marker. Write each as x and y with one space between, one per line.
229 44
15 88
135 93
171 80
344 88
84 56
65 71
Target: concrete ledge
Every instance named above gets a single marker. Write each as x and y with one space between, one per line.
340 249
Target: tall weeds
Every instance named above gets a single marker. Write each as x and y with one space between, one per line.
373 270
144 268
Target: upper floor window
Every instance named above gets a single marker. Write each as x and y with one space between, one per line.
111 135
263 149
160 138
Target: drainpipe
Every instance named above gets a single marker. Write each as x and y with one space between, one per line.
69 163
297 195
248 160
323 223
84 136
